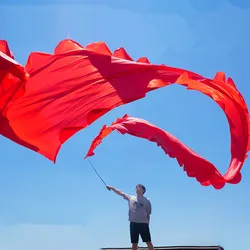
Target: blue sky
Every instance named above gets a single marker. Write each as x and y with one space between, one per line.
65 206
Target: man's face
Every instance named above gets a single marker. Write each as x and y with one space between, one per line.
139 190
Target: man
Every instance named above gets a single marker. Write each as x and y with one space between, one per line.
139 215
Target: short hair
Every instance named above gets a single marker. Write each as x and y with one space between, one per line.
143 187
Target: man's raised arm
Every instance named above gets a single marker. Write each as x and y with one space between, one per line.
117 191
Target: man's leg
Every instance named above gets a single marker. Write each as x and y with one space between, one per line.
150 245
134 235
134 246
146 236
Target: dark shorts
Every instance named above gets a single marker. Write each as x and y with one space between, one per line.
141 229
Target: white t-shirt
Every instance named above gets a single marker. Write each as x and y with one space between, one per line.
139 208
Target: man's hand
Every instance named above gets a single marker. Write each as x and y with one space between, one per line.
109 188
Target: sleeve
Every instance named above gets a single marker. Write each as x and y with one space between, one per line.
126 197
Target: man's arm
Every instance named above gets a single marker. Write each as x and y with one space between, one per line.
117 191
149 210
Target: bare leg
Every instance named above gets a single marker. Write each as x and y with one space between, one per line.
134 246
150 245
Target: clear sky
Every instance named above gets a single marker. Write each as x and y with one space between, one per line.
64 205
